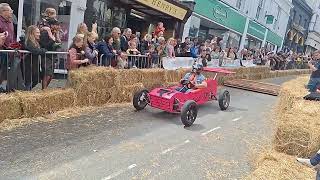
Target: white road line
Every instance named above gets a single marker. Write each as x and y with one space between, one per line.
111 176
175 147
210 131
236 119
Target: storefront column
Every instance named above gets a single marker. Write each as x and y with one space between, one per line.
186 29
20 17
244 35
76 17
265 38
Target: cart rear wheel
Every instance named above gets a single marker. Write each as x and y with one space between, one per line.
224 100
189 113
141 99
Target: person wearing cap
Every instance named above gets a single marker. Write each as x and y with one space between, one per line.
193 80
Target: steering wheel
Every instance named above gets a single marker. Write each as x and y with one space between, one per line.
187 83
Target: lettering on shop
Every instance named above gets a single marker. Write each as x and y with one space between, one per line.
166 7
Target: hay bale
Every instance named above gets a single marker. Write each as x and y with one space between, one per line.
272 165
92 85
127 77
152 78
40 103
10 107
298 125
125 93
174 75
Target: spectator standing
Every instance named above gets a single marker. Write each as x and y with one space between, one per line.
49 13
153 56
231 54
76 56
90 50
105 48
31 63
186 47
115 34
6 27
161 48
146 43
124 40
83 29
177 48
49 40
314 82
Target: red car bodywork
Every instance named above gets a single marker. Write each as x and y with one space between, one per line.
171 100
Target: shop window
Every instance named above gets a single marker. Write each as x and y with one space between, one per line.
107 14
32 10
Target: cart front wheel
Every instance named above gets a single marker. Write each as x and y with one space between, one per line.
224 100
189 113
141 99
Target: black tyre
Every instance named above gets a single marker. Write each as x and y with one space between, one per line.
189 113
224 100
141 99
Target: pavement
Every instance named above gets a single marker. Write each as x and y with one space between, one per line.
119 143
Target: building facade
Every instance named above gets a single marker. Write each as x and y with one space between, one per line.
140 15
298 27
313 39
241 23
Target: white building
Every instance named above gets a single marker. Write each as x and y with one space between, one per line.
313 40
255 33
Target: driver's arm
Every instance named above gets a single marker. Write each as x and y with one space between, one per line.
202 85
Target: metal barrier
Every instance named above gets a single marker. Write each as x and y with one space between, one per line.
128 61
22 70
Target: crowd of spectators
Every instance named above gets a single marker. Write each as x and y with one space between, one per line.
120 49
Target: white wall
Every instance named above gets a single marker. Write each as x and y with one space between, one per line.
77 16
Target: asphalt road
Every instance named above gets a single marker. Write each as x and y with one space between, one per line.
119 143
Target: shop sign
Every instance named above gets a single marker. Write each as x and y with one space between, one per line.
274 38
166 7
221 14
256 30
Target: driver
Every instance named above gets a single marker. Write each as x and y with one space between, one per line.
193 80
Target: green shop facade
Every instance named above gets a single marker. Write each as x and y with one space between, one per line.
212 18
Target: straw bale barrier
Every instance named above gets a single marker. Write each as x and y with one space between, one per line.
273 165
298 124
10 107
93 86
39 103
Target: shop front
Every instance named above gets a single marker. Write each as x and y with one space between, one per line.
216 20
255 35
139 15
273 41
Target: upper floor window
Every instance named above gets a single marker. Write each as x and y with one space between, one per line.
240 3
306 23
276 22
299 20
259 8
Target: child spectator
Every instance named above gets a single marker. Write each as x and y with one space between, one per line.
122 61
76 54
153 56
159 31
133 51
170 48
49 13
107 52
90 48
145 43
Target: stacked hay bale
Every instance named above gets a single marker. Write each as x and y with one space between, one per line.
93 86
39 103
273 165
10 107
298 123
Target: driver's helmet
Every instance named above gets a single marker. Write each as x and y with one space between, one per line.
197 67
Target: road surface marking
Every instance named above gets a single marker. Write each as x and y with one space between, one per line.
175 147
236 119
210 131
119 172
